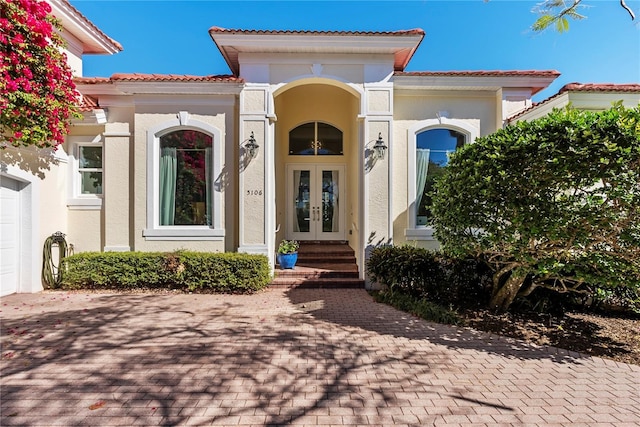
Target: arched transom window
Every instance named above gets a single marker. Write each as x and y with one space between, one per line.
315 139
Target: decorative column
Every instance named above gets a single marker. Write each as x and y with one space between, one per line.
256 173
116 202
378 225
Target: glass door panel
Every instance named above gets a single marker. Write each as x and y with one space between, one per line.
316 211
330 206
302 201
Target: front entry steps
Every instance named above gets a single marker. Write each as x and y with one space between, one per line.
321 264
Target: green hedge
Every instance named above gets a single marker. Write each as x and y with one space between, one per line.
428 274
192 271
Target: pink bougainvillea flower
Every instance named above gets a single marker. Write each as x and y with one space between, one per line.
37 92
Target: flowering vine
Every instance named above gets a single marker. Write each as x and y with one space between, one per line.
37 94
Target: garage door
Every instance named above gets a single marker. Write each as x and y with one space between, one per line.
9 235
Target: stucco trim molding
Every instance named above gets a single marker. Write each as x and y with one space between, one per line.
156 232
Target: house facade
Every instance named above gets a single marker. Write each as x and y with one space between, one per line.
313 136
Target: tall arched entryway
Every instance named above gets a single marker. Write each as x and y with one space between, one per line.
317 162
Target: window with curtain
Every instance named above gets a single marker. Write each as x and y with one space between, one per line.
315 139
186 178
433 147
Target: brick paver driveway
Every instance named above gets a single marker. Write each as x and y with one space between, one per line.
285 357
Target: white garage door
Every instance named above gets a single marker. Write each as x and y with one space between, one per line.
9 235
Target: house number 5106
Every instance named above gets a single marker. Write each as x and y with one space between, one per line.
254 192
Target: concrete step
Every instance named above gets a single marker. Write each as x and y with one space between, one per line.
321 265
320 271
317 283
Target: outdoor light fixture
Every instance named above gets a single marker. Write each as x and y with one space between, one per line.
252 146
379 148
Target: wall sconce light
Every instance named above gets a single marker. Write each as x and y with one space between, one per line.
379 148
252 146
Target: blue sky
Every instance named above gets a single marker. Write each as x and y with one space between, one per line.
171 36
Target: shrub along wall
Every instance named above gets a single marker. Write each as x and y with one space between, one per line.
193 271
429 274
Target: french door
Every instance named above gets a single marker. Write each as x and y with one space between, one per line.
315 202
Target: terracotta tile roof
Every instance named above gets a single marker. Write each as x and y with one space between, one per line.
582 87
92 25
600 87
91 80
481 73
87 103
139 77
413 31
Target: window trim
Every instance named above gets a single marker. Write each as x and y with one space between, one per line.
154 230
78 200
465 127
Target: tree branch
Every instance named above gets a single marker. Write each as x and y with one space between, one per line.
628 9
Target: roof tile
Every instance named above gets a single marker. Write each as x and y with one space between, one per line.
480 73
87 103
582 87
600 87
139 77
413 31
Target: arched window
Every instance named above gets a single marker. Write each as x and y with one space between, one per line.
431 141
186 178
432 155
315 139
184 161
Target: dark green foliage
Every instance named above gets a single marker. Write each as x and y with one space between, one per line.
193 271
418 307
554 202
432 275
622 299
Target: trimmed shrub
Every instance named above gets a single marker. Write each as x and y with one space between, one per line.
192 271
423 273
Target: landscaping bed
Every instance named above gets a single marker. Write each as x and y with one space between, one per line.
612 337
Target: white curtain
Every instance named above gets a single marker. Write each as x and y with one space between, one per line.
208 172
296 188
168 177
335 226
422 166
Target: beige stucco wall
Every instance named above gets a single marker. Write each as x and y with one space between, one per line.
86 230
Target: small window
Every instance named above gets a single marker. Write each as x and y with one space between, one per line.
433 148
315 139
186 183
90 170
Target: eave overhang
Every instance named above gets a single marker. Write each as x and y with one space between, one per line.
534 80
93 40
131 84
401 44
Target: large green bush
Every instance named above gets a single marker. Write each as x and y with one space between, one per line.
552 203
193 271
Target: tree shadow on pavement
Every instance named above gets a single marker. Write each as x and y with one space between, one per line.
358 309
96 359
